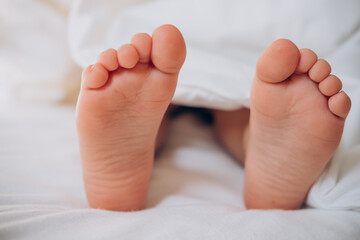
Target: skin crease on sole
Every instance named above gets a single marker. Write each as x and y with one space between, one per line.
297 115
121 105
291 114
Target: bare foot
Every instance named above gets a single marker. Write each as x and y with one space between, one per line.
121 105
297 117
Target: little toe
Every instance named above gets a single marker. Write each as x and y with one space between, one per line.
320 70
109 59
307 59
142 42
94 76
340 104
278 61
168 49
128 56
330 85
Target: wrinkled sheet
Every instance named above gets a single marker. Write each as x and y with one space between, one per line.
196 187
195 190
224 38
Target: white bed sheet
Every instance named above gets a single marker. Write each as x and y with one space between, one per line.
195 190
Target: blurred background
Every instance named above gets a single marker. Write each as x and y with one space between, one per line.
35 63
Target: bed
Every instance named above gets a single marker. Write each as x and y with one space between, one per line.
195 190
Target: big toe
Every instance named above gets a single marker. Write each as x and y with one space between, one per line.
168 49
278 61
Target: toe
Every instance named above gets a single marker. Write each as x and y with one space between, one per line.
128 56
330 85
109 59
142 43
307 60
94 76
340 104
278 61
320 70
168 49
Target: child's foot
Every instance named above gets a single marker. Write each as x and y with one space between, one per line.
296 122
121 105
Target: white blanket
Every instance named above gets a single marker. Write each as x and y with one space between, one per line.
223 38
196 187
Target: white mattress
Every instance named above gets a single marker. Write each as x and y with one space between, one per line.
195 189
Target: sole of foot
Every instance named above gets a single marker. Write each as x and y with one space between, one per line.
122 102
297 115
